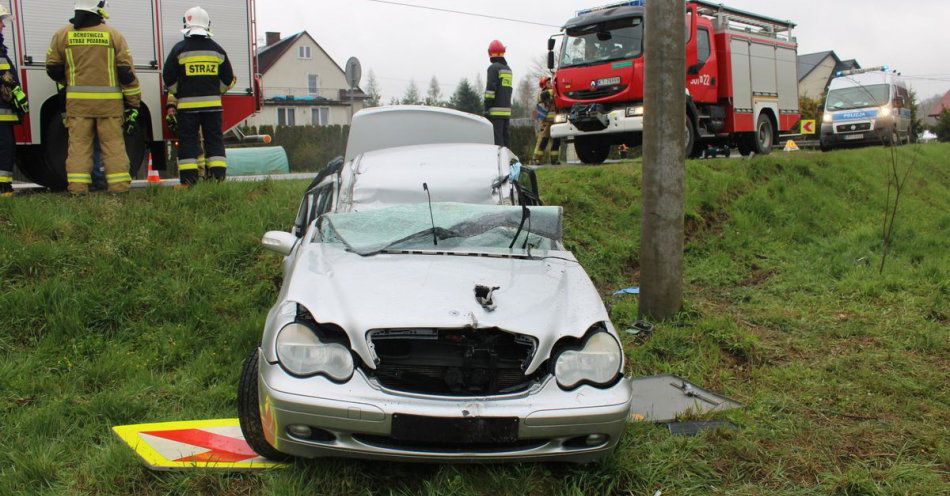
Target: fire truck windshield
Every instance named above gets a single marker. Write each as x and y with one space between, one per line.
599 43
855 97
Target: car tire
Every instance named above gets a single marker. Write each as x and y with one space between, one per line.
764 137
249 412
590 152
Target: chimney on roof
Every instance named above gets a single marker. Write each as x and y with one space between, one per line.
272 38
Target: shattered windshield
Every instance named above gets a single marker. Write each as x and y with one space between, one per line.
458 227
601 43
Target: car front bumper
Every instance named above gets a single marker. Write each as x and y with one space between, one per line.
879 133
619 122
358 415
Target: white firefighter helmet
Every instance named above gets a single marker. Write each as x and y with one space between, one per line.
97 7
5 12
197 22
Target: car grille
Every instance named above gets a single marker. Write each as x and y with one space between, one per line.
597 93
452 362
850 128
438 447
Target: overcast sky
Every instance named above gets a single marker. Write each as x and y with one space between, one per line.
401 43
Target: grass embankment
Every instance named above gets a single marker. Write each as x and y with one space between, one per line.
135 309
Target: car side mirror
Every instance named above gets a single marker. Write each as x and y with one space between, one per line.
899 101
550 60
551 44
279 242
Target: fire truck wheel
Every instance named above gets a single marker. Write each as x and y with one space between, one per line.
693 149
764 135
591 153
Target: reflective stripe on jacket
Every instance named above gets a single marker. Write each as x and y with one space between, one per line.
99 72
8 75
500 88
198 72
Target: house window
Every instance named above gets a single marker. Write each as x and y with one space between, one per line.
303 52
286 116
313 84
320 116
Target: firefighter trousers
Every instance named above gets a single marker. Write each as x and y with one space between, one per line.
82 136
192 127
502 137
7 157
544 141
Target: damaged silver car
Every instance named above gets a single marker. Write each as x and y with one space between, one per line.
429 311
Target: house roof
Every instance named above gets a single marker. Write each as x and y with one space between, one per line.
268 56
809 61
938 107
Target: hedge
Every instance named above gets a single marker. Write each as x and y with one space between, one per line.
309 148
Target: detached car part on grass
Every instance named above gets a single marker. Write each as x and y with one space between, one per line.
456 330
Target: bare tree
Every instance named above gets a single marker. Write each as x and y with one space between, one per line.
434 95
372 90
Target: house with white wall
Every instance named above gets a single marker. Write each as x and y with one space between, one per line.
303 85
816 70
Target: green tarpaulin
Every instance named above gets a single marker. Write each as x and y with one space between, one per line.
257 161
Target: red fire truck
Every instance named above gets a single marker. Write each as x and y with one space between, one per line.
152 28
742 79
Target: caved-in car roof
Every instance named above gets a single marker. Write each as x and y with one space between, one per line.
462 173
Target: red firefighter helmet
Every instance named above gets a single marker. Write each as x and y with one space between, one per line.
544 82
496 49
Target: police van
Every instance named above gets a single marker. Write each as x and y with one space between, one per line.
866 107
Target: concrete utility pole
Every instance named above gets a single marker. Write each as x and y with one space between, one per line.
664 160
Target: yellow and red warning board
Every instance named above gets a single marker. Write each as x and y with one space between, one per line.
199 444
808 126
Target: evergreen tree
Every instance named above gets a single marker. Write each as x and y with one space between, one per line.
372 90
467 99
411 97
942 129
434 95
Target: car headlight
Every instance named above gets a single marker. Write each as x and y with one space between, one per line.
885 111
597 362
302 353
827 118
560 119
635 111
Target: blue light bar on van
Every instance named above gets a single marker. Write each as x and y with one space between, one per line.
628 3
852 72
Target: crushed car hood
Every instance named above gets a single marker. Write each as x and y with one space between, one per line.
547 299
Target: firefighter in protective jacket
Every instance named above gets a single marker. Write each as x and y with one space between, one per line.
197 73
13 105
499 92
545 113
94 62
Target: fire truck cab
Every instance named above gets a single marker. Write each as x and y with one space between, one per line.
741 83
152 28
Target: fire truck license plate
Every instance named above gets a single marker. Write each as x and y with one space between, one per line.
854 136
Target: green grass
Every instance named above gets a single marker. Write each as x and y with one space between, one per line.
141 309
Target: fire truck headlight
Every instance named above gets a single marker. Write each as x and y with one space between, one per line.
560 119
635 111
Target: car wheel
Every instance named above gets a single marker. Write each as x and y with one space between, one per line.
249 412
591 153
764 135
